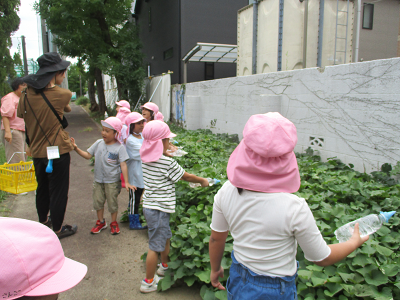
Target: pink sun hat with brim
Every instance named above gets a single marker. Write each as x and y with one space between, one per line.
264 160
133 117
113 123
153 134
151 106
32 261
159 116
124 103
122 113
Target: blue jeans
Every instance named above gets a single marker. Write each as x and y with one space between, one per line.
245 284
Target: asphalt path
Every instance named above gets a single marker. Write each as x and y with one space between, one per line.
115 269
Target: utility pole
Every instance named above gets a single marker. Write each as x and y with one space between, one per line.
24 55
80 84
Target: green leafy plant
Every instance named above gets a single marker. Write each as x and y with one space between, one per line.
82 100
336 194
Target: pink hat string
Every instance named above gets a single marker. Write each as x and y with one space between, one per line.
32 261
133 117
113 123
153 134
124 103
264 160
151 106
122 113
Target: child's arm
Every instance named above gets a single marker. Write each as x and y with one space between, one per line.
124 170
216 248
193 178
342 250
82 153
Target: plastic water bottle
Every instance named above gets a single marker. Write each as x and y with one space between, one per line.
211 182
49 168
367 225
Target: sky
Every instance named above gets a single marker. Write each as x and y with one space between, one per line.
30 28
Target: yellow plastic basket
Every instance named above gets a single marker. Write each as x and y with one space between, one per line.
18 178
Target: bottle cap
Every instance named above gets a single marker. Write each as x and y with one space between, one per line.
388 215
216 181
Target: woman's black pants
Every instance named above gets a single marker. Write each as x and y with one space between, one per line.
52 190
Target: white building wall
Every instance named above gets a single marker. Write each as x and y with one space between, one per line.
350 111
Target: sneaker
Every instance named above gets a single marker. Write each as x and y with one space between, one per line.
66 231
161 270
114 228
99 227
149 287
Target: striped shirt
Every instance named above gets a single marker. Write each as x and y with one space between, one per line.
159 183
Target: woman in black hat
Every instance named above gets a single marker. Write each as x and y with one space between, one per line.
42 106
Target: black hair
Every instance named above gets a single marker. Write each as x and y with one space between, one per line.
131 128
16 83
240 190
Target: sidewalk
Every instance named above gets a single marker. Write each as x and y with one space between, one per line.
114 265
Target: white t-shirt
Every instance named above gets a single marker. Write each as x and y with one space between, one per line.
159 183
266 228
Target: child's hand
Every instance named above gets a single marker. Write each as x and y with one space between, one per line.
130 186
356 238
215 280
204 183
73 143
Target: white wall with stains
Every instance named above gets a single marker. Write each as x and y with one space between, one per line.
348 111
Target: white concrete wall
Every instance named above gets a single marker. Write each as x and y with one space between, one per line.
350 111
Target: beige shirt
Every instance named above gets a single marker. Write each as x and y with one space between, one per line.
266 228
56 135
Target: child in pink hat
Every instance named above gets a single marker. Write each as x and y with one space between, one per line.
33 265
265 219
160 173
134 126
149 111
110 156
122 103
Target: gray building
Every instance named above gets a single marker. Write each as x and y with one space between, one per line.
170 29
379 29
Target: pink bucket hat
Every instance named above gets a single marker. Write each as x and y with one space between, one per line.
153 133
124 103
133 117
151 106
159 116
122 113
113 123
264 160
32 261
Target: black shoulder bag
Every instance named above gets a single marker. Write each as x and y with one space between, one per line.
63 122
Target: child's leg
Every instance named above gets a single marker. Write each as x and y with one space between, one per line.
112 191
114 217
151 264
100 214
165 253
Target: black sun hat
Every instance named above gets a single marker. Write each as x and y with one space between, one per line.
49 64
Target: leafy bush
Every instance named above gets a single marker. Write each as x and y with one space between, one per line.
336 194
82 100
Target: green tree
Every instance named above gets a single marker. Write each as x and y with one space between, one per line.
9 22
95 30
76 77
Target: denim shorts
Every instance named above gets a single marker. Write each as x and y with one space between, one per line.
245 284
158 228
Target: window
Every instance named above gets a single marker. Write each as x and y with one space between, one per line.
209 71
168 53
107 85
368 16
